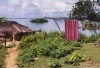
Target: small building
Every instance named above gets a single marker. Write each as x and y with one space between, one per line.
14 31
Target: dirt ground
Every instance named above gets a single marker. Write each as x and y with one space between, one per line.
90 64
11 56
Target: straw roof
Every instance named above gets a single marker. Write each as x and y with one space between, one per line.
2 34
14 27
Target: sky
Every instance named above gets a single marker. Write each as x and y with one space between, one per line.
35 8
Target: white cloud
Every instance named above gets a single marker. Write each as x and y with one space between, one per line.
50 6
14 3
61 5
23 8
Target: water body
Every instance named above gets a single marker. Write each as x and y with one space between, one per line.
51 26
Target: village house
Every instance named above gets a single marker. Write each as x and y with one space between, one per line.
13 31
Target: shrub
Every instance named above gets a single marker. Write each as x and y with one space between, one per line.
54 34
94 38
61 52
2 56
1 46
26 42
84 39
3 20
27 55
54 64
75 58
47 49
76 44
47 44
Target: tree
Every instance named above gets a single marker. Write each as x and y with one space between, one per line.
84 9
3 20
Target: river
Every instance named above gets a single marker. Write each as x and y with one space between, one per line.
51 26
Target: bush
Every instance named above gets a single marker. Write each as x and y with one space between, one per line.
3 20
84 39
76 44
61 52
2 56
76 58
47 44
26 42
54 64
47 49
1 46
94 38
27 55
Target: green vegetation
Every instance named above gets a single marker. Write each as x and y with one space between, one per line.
85 39
54 64
2 56
39 49
3 20
75 58
84 9
39 21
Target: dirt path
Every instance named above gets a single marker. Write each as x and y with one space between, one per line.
10 60
90 64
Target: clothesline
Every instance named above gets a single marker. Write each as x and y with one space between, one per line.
42 18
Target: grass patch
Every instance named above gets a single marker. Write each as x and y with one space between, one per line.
2 56
91 51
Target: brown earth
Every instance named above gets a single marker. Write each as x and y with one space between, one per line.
11 56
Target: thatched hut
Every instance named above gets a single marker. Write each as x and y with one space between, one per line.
14 31
2 37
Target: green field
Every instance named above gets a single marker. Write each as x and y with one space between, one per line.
44 50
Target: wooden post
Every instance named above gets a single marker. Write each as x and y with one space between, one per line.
5 41
13 37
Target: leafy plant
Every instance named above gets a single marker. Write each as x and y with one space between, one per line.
2 56
94 38
47 49
76 44
76 58
1 46
3 20
54 64
26 42
51 45
27 55
61 52
84 39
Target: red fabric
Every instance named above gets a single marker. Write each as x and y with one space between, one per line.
71 30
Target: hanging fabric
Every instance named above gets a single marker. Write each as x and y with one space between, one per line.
71 30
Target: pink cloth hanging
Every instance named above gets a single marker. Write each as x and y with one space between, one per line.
71 30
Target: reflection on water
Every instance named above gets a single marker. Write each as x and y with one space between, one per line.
51 26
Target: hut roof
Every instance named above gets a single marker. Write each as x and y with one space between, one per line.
2 34
14 27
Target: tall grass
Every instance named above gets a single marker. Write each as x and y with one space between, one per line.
2 56
86 39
